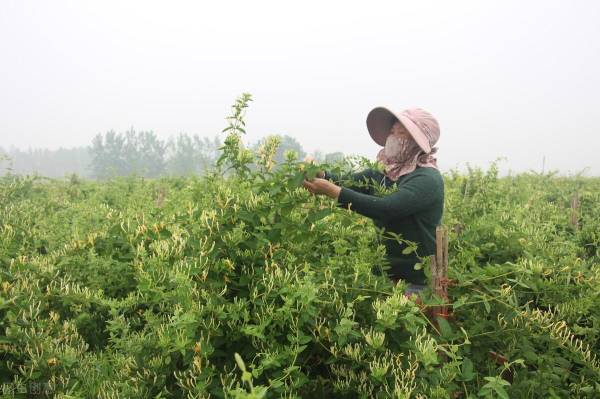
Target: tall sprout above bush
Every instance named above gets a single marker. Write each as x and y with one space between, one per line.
234 155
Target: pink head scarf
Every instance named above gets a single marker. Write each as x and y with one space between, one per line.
401 156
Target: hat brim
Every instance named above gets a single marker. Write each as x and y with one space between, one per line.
380 121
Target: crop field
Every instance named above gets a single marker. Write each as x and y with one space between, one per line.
241 284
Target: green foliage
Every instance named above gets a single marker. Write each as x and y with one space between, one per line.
285 143
240 284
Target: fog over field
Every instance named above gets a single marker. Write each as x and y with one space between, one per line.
504 78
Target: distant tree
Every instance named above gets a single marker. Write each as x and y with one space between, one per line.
133 152
107 153
50 163
144 154
191 154
66 161
5 161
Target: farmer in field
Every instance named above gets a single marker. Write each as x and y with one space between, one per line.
415 208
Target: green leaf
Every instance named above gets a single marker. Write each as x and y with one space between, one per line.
297 180
290 369
445 329
275 383
467 341
408 250
459 302
467 373
520 283
501 392
486 304
258 392
239 361
313 217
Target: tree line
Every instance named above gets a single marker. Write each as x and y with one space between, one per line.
132 152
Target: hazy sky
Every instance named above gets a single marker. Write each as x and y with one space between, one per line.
518 79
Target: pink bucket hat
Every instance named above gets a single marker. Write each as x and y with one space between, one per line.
421 125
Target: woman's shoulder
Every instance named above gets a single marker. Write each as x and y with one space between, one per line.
426 170
427 174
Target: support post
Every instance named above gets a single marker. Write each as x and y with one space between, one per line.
439 279
439 271
574 211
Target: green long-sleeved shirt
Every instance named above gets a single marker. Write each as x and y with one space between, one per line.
413 211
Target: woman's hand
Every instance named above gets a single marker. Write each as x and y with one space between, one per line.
320 186
311 159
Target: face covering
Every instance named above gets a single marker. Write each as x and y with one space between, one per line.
401 155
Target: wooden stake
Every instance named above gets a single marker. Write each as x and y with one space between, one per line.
444 273
439 279
574 207
439 271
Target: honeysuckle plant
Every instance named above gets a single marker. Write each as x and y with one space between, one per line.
240 284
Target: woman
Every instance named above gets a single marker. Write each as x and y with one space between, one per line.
415 208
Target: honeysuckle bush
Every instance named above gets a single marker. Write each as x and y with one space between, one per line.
241 284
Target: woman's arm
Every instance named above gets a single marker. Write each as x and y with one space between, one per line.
414 195
362 182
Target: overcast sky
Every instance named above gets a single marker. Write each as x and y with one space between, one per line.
514 79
